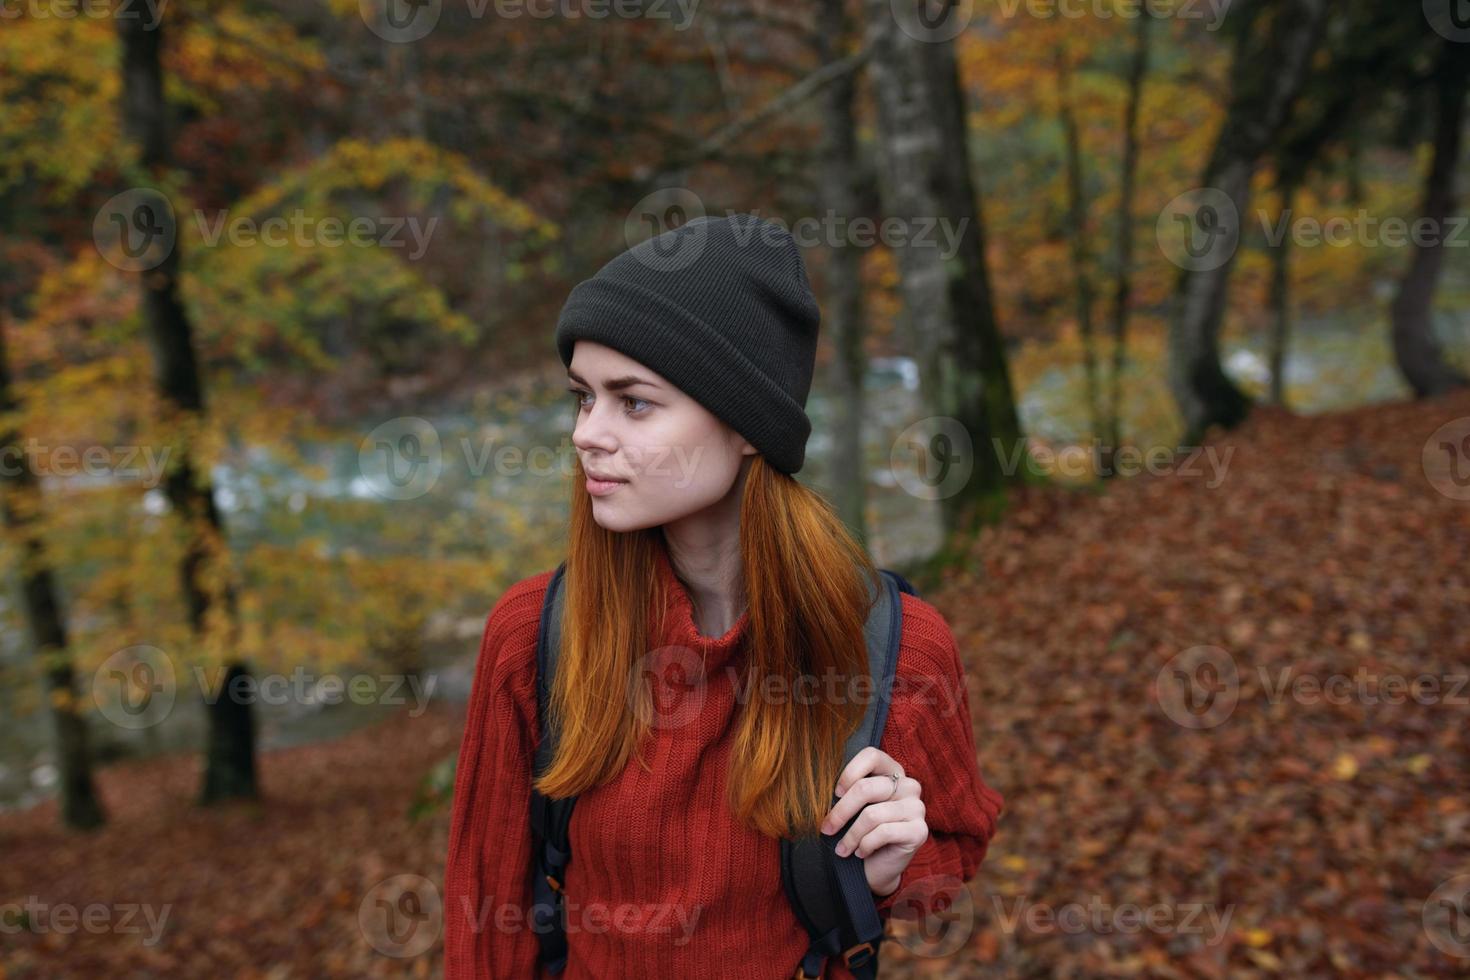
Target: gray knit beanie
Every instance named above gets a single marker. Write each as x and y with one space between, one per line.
721 307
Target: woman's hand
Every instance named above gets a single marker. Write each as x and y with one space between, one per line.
890 827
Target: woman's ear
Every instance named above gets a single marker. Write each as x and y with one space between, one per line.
740 442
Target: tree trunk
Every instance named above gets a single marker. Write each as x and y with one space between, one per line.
1123 283
844 194
230 754
1281 300
81 808
947 300
1267 75
1077 232
1414 345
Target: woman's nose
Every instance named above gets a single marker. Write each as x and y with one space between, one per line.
591 431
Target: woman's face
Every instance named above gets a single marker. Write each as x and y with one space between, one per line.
670 455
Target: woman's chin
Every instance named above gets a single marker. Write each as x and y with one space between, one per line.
610 517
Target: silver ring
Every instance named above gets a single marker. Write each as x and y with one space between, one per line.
893 776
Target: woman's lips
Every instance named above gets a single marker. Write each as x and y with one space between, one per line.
601 488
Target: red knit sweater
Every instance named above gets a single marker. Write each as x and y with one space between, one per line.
663 881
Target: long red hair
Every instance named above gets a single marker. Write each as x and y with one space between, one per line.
804 583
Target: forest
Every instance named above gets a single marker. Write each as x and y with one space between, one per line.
1144 353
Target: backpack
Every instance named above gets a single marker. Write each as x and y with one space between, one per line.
829 894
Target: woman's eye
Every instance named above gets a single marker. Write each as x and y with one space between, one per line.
578 396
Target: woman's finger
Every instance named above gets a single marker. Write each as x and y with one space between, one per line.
870 759
909 808
907 833
866 792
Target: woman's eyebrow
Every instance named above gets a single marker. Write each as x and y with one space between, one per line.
615 384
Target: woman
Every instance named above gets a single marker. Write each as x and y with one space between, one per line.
690 357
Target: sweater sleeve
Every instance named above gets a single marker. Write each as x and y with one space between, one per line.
931 734
487 885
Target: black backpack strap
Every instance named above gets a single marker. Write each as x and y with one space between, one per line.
830 894
903 584
551 820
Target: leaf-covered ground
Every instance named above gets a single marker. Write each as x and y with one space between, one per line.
1286 829
1293 819
287 889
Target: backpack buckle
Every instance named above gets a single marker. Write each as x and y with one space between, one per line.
862 952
